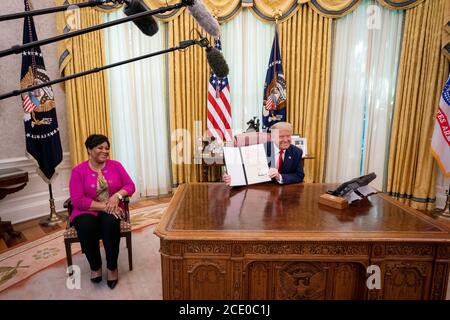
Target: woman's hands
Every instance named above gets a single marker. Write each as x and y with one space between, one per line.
112 206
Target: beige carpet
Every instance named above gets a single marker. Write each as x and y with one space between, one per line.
144 282
21 263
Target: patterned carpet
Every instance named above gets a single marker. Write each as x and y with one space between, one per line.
19 264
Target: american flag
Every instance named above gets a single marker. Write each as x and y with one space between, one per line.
440 143
274 98
41 124
270 104
219 108
27 104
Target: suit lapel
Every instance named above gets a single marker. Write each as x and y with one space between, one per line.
287 155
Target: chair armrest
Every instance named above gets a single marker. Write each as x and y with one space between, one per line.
126 201
67 204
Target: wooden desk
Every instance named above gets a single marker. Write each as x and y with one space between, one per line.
277 242
11 180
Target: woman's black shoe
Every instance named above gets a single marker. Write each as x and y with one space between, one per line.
112 283
96 279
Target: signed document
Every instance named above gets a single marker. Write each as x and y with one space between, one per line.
246 165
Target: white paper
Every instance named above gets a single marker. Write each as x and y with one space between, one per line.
254 161
352 196
366 190
233 163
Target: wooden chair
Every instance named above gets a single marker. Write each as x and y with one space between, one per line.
71 236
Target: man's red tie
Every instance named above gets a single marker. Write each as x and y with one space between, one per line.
280 160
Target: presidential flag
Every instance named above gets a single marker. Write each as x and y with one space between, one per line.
41 126
440 143
219 107
274 101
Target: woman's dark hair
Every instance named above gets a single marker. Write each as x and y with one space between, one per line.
94 140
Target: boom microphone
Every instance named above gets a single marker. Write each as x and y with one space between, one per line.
215 58
146 24
217 62
199 12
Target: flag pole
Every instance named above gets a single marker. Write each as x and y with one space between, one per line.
275 44
445 212
54 218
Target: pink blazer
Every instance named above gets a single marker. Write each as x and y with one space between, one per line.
83 185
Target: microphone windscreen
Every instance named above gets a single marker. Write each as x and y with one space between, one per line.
146 24
204 18
217 62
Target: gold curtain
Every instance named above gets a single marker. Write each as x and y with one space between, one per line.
86 97
422 74
305 41
446 31
188 80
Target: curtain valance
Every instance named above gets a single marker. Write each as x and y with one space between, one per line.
269 10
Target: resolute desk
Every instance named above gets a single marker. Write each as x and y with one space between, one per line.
277 242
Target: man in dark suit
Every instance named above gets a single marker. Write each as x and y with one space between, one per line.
284 159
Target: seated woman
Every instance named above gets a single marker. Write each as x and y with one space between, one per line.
96 188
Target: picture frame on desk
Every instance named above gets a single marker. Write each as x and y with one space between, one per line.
300 142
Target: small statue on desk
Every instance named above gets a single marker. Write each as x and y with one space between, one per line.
212 147
253 125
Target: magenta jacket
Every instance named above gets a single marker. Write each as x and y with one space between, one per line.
83 185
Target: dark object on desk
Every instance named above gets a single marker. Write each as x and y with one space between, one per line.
353 186
253 125
11 180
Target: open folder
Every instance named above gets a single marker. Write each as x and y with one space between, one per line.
246 165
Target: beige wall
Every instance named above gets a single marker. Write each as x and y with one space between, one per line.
12 141
32 201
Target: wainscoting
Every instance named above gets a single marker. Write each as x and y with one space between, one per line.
32 201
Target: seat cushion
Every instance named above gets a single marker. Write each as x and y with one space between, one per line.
71 232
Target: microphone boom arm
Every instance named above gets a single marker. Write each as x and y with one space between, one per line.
18 49
39 12
182 45
203 42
